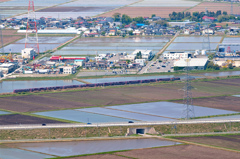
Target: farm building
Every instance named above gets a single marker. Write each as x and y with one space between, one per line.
28 53
146 54
177 55
194 63
7 67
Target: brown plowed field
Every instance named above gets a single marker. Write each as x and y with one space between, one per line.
123 95
9 32
76 9
145 11
37 103
105 156
231 142
225 102
215 7
10 39
181 151
23 119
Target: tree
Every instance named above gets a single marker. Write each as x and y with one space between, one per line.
210 57
126 19
210 65
224 13
138 19
130 32
117 17
153 15
163 23
219 12
128 61
139 55
230 66
216 67
103 33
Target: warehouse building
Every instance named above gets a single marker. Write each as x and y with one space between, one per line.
194 63
177 55
146 54
7 68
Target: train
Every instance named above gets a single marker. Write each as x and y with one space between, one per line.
95 85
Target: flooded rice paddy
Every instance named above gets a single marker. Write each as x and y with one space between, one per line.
164 3
120 79
9 86
236 95
15 7
3 112
169 109
45 43
89 147
124 114
197 39
155 111
83 117
89 46
221 74
190 46
14 153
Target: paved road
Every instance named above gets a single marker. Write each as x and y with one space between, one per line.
39 126
146 68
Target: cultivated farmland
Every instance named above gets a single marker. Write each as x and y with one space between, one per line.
213 7
230 141
181 151
23 119
117 95
145 11
223 102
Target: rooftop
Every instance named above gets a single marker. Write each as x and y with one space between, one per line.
192 62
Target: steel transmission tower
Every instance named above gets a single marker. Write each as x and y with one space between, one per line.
31 41
206 42
188 111
231 7
2 48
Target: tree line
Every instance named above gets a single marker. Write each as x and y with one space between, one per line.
197 16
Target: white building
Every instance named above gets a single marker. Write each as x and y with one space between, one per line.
177 55
67 69
28 53
78 63
1 73
181 24
7 68
128 57
146 54
208 31
141 62
194 63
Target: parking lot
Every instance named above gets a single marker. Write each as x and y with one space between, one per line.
161 66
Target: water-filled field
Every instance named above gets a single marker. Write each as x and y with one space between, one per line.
197 39
82 117
156 111
45 43
123 114
88 147
9 86
169 109
89 46
12 153
164 3
3 112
